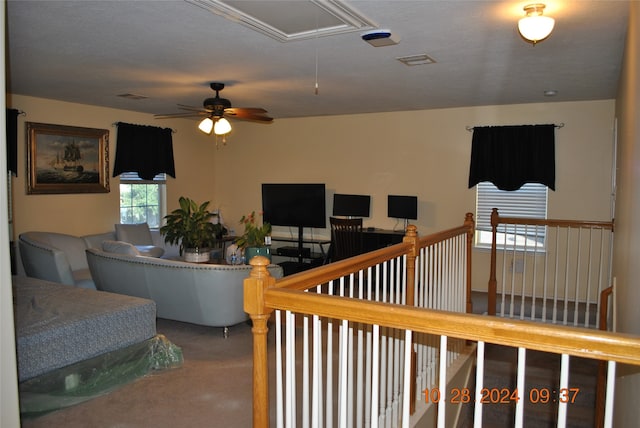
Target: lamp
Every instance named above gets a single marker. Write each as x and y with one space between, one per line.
222 126
206 125
534 26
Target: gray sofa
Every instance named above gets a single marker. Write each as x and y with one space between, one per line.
58 257
205 294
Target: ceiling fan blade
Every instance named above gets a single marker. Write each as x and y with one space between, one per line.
248 114
191 108
235 110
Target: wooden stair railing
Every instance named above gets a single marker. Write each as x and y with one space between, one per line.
570 341
497 220
257 285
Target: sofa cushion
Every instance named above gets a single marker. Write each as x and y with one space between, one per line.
82 279
136 234
150 250
120 247
95 240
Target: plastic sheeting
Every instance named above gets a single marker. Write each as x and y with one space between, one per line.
97 376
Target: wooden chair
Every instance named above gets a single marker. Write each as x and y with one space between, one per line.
346 238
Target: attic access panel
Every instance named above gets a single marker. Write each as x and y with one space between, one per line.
290 20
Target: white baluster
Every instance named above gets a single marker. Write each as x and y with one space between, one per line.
477 412
563 388
520 386
279 387
608 405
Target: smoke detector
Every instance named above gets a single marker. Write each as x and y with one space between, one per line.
380 37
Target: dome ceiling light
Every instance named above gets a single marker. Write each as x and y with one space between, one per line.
534 26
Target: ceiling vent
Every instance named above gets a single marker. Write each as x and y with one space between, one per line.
418 59
288 21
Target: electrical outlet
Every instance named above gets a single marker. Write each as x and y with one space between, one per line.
517 265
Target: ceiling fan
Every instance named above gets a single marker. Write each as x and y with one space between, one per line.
215 110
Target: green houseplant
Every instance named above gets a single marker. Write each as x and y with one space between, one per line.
255 238
191 228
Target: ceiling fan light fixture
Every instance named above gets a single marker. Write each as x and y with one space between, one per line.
206 125
222 126
534 26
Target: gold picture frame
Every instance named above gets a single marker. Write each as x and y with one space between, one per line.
67 159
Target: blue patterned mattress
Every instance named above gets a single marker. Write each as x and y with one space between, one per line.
58 325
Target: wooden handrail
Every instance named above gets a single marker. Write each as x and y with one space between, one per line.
496 220
575 341
551 222
256 289
321 274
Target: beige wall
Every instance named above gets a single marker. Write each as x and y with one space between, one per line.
426 154
89 213
627 245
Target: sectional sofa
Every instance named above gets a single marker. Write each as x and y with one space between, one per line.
205 294
61 258
198 293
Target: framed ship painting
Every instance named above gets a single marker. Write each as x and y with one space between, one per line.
67 159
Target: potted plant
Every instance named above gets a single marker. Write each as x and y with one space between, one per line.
191 228
255 239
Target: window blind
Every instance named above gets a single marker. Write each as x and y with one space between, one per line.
133 178
529 201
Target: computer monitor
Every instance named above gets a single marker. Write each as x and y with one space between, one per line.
404 207
351 205
295 204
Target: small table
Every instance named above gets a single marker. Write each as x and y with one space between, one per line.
222 242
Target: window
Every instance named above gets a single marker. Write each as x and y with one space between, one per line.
142 201
529 201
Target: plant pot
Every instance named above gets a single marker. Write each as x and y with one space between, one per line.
251 252
197 255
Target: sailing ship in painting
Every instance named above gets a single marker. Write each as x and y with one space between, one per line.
67 162
70 159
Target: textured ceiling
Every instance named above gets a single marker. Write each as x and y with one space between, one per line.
169 51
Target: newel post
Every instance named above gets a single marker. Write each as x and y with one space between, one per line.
471 225
254 286
493 282
411 236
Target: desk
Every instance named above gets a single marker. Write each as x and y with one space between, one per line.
380 238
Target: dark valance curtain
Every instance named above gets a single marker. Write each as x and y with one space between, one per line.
510 156
12 141
147 150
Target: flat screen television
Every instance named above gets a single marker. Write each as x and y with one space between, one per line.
405 207
351 205
299 205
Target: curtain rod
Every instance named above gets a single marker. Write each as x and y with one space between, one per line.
471 128
115 124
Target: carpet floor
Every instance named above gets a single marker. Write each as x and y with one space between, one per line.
213 388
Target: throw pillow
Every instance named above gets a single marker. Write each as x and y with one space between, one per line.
120 247
150 250
136 234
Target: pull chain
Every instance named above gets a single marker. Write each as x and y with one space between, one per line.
316 43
